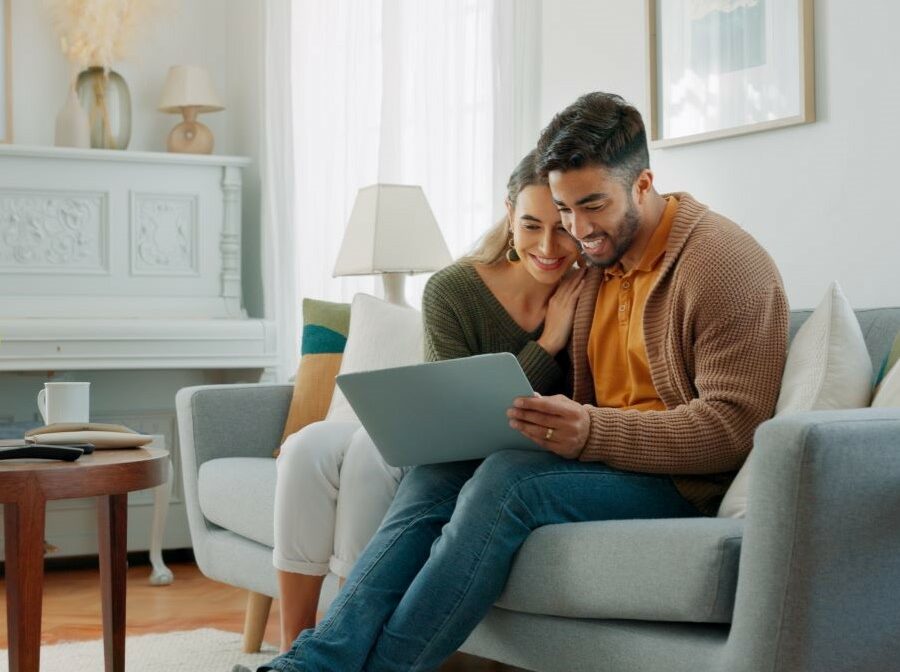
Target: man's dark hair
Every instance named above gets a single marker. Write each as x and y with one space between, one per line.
598 129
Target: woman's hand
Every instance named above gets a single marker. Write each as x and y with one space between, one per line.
561 312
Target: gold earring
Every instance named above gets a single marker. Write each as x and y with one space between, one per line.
511 255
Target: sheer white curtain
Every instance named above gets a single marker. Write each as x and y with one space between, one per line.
277 179
442 93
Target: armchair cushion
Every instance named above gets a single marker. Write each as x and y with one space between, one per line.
652 570
382 335
325 329
238 494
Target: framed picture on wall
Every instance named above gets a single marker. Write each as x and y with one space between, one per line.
5 72
727 67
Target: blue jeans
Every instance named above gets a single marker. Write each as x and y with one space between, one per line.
444 550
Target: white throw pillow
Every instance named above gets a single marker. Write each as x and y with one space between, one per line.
382 335
887 394
828 367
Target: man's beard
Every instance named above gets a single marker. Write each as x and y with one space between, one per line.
624 239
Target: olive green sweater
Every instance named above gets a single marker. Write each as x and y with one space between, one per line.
462 318
716 333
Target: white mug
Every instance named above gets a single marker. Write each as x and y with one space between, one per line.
65 402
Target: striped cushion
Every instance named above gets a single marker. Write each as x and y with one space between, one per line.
887 382
325 328
889 360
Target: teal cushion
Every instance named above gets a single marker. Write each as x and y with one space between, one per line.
889 360
325 327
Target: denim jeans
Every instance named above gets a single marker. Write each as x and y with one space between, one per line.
444 550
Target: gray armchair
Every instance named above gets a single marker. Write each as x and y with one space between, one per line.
807 582
227 435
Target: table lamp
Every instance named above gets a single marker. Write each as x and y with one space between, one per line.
392 232
189 91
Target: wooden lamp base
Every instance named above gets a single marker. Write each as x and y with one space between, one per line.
190 136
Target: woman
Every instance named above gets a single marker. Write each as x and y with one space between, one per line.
515 293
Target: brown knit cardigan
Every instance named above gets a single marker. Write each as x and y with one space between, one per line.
716 332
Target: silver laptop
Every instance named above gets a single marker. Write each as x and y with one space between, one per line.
441 411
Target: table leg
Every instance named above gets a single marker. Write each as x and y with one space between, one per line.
112 528
161 575
23 527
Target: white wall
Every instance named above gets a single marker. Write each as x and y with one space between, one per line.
821 197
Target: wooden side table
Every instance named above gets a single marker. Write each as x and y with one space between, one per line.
25 487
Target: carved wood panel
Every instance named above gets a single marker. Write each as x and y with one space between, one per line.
53 231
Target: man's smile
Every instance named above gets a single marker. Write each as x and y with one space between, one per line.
596 244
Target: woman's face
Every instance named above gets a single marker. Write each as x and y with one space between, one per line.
546 250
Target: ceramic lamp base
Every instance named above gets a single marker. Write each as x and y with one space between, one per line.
190 137
395 288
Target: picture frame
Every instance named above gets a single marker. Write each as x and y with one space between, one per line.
720 68
5 72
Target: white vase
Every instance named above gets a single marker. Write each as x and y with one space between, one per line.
73 128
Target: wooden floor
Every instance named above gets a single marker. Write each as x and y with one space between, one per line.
72 609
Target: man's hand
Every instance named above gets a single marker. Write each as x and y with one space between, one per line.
556 423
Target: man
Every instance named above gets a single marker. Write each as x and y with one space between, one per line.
680 333
678 346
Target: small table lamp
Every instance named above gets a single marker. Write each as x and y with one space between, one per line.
189 91
391 231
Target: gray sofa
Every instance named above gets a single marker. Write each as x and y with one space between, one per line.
809 581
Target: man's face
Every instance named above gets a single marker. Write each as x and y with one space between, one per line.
598 211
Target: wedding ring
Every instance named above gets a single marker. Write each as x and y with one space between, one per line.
549 434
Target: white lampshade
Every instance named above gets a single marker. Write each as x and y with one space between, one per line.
391 230
189 86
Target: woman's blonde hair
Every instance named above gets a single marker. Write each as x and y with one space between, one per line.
492 246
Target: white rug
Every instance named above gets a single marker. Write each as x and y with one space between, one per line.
204 650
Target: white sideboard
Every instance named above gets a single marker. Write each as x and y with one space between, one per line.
123 269
114 259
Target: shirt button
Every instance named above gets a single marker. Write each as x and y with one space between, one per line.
626 285
622 308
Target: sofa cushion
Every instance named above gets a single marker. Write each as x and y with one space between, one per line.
652 570
887 394
238 493
828 367
828 364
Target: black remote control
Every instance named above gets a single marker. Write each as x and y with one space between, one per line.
88 448
41 451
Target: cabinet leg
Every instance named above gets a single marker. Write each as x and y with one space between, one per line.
23 528
161 575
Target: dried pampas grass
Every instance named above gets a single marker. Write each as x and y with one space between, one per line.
100 32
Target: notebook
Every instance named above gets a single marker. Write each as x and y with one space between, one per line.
441 411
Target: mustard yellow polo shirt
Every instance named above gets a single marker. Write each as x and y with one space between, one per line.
616 351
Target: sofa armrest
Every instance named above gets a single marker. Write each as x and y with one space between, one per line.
820 560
